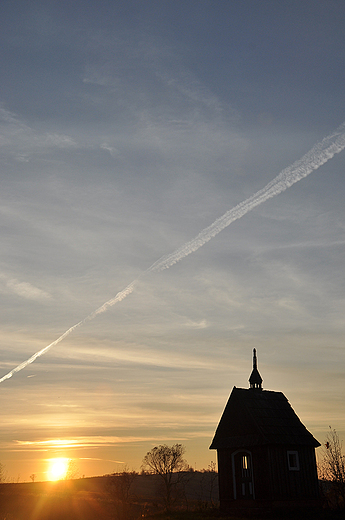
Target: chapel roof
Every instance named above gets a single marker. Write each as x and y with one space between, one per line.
254 416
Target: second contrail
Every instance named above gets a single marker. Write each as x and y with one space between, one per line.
312 160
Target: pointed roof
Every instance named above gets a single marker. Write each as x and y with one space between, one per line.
255 379
253 418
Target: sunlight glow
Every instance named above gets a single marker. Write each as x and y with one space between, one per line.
57 469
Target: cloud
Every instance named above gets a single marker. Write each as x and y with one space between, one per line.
21 142
126 352
23 289
94 441
202 324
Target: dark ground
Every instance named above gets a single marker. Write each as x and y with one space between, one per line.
95 499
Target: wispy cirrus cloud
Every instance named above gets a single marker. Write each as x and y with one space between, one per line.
25 290
22 142
80 442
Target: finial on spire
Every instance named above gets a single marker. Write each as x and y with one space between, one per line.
255 361
255 380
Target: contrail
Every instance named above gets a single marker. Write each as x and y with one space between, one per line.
312 160
120 296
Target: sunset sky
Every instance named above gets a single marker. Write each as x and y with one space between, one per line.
126 128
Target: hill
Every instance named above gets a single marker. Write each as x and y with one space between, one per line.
97 498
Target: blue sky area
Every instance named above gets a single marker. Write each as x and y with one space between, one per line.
126 128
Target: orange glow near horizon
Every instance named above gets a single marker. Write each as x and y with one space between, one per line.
57 469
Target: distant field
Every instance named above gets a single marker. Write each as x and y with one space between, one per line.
95 499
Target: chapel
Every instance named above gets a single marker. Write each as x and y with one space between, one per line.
266 456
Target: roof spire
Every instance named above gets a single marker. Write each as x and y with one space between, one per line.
255 380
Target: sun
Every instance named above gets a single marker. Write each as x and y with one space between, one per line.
57 469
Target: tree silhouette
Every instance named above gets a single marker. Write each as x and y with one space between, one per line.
121 484
332 468
167 462
72 470
120 487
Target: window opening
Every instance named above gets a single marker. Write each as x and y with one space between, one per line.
242 477
245 466
293 460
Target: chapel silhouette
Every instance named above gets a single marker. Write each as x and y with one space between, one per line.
266 456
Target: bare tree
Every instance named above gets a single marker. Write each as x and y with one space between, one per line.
120 487
121 484
33 477
208 484
72 470
332 468
168 463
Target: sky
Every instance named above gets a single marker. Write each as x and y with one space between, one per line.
126 128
